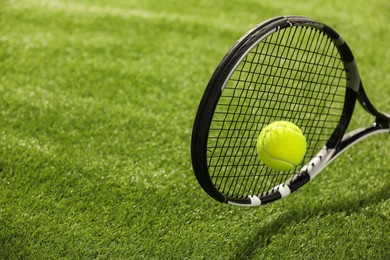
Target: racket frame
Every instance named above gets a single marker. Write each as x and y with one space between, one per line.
337 143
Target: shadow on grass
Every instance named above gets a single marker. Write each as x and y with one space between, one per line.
265 234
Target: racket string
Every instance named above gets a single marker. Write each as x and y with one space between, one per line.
232 181
294 75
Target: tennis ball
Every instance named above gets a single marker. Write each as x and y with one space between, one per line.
281 145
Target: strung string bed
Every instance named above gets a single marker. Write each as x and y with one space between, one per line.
295 75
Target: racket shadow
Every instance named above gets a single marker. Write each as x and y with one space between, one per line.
265 234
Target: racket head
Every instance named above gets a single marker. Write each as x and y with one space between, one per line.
289 68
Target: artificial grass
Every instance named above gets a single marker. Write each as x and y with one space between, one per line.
97 104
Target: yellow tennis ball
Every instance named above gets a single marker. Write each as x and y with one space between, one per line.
281 145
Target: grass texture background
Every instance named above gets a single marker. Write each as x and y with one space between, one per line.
97 102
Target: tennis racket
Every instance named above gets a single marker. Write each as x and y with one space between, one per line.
288 68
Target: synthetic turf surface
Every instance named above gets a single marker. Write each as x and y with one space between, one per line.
97 101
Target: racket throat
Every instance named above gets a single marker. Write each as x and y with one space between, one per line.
382 122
